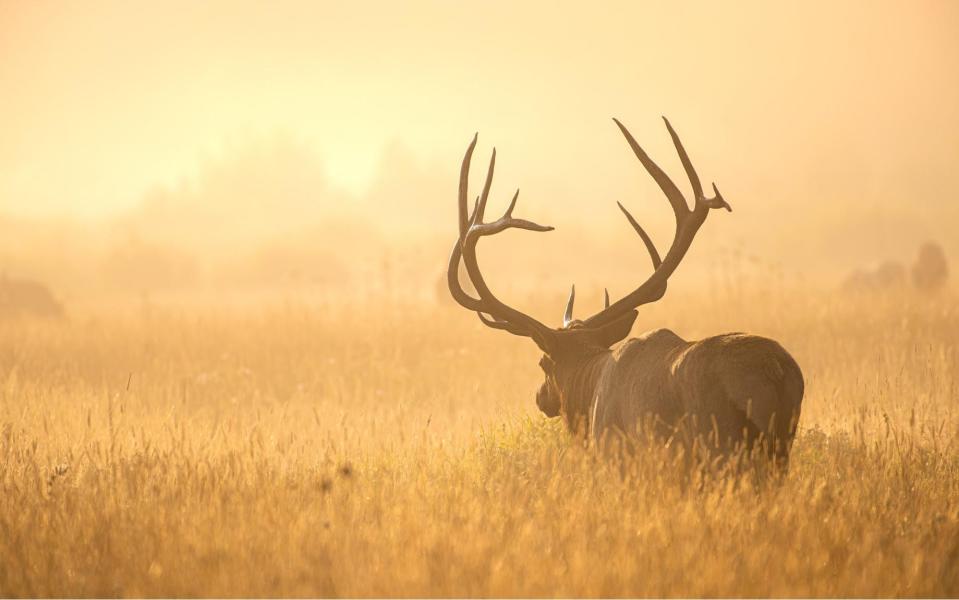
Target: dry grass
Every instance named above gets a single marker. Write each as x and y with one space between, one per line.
358 452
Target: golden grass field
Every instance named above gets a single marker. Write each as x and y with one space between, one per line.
289 449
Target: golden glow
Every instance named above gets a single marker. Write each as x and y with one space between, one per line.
230 364
104 99
830 128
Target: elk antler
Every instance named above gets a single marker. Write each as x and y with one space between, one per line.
471 229
688 223
497 315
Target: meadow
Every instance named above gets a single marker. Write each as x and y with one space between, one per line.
394 448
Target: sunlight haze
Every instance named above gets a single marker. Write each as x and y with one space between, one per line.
271 326
104 99
829 127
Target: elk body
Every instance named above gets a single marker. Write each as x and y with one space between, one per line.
728 392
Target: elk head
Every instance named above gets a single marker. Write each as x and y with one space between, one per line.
568 350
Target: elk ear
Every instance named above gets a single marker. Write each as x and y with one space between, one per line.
613 332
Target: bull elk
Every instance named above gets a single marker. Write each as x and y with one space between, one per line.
729 392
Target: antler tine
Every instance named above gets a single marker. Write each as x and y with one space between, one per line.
512 203
479 229
675 197
715 202
464 187
653 253
518 322
493 313
690 171
464 220
568 315
481 204
472 228
688 223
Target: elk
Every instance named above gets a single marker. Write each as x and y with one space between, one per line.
727 393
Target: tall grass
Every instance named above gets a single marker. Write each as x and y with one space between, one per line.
359 450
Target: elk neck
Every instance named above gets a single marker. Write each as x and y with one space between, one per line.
577 375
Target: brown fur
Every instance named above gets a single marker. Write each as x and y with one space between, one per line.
732 390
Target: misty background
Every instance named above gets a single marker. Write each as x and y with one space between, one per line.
163 149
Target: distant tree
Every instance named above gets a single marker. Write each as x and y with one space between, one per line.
930 270
27 298
134 264
887 275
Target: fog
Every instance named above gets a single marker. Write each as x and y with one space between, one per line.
229 145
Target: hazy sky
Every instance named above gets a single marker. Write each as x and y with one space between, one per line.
794 102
